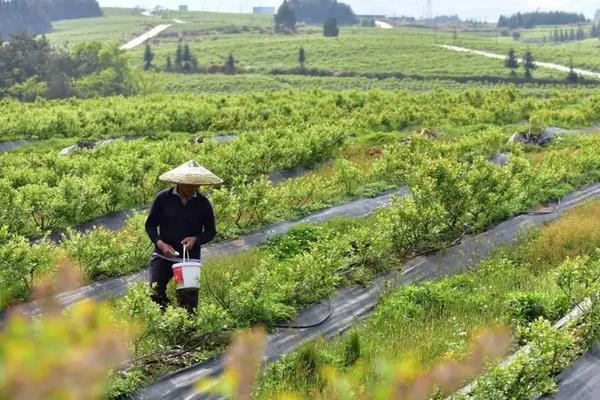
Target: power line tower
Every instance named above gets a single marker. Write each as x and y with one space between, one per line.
429 10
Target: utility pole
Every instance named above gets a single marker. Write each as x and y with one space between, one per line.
429 10
429 16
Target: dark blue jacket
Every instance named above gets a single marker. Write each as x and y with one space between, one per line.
171 221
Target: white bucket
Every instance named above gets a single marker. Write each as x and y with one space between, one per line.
186 273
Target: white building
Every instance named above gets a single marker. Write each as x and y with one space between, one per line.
263 10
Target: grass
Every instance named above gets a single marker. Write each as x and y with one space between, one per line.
576 233
215 22
116 25
123 24
435 320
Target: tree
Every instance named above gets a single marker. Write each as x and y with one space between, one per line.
330 27
193 63
572 76
318 11
301 57
516 35
187 54
511 62
35 16
285 18
179 58
528 64
531 19
186 57
230 65
572 34
169 65
148 57
455 35
33 62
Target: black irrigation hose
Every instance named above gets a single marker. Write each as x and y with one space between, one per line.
329 311
329 314
553 211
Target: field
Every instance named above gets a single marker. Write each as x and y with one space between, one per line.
382 115
412 52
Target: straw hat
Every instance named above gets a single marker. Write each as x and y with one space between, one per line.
191 173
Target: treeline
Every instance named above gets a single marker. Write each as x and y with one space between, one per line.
318 11
330 13
312 12
570 35
71 9
30 68
531 19
36 16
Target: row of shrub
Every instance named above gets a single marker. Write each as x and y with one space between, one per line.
45 191
527 287
453 193
242 207
353 110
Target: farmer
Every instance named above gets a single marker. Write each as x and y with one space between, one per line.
178 217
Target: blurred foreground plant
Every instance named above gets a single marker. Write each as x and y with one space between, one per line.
243 362
400 380
60 355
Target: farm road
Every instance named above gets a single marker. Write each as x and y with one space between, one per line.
142 38
383 25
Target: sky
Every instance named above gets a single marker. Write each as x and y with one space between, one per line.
481 10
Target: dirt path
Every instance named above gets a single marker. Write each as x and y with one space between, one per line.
142 38
557 67
383 25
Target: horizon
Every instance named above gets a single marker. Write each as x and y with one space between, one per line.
485 10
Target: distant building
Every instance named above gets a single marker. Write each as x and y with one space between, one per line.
263 10
183 8
368 16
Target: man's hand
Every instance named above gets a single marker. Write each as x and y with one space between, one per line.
189 242
167 249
